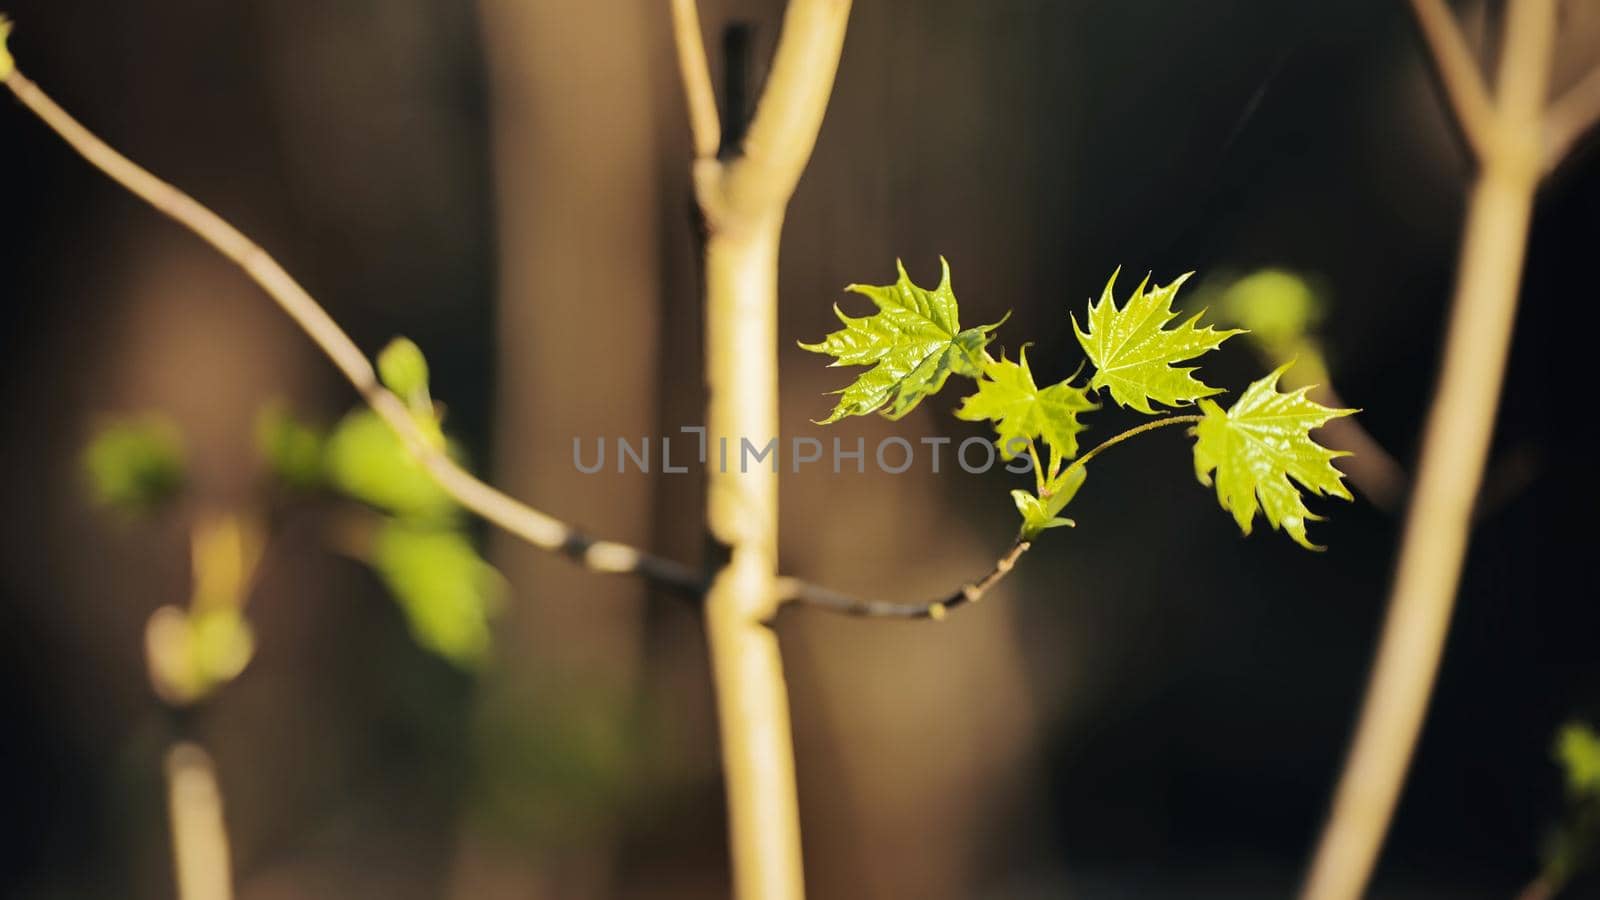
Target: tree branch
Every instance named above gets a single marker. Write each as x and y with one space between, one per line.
784 130
793 590
1455 447
537 528
704 126
1570 118
1465 90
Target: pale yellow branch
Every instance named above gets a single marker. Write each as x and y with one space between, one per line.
704 125
788 116
537 528
199 835
1464 86
1571 117
1455 446
743 203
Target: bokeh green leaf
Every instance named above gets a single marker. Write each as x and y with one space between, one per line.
135 465
446 590
293 450
365 460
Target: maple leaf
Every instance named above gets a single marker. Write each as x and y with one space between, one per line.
914 343
1135 357
1257 446
1022 411
1039 512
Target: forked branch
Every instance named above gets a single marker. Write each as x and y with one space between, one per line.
1464 87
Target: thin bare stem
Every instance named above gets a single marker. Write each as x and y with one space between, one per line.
1458 73
793 590
1114 440
802 593
535 527
1455 447
704 125
199 836
1572 116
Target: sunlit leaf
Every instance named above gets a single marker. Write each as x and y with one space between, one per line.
1135 356
1022 411
914 343
1040 514
1256 448
443 586
135 465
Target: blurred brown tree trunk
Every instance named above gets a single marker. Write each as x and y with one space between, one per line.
576 193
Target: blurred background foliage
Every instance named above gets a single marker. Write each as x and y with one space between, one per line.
506 182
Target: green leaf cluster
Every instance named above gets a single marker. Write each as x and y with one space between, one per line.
422 550
420 547
1259 454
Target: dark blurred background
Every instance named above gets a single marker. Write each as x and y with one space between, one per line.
1152 706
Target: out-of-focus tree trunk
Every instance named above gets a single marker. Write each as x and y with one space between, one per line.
577 193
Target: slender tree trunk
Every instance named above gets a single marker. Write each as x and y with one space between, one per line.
752 698
1506 137
743 199
199 836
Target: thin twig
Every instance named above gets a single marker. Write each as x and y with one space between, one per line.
704 125
792 590
537 528
1116 439
1458 73
1570 118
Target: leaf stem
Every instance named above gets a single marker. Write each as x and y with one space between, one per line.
1039 480
1114 440
793 590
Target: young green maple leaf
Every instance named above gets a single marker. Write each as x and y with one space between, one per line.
1039 513
1022 411
1258 445
913 343
1135 357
